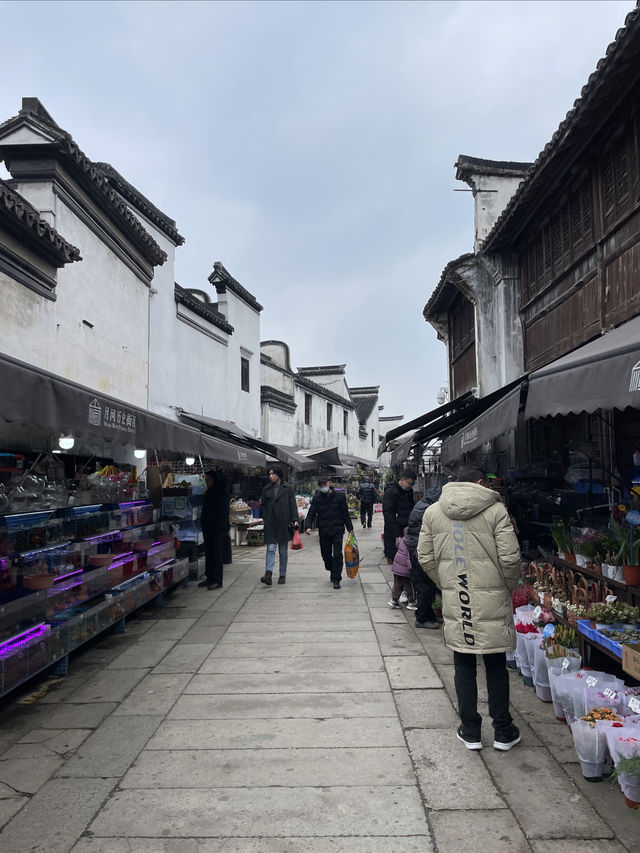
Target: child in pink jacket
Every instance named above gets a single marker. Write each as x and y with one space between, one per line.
401 569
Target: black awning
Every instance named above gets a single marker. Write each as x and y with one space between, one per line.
434 415
29 395
291 458
497 419
321 455
454 421
401 453
229 431
603 374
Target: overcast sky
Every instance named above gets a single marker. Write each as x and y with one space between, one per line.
309 146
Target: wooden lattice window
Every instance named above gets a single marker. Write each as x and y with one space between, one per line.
463 329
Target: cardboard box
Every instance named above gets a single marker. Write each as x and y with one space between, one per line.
631 661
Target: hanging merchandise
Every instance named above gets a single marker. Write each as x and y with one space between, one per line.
351 556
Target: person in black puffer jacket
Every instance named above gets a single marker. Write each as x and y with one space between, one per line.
366 494
423 586
397 503
330 509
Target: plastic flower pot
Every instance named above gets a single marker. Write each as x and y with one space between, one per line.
631 803
631 575
543 692
592 770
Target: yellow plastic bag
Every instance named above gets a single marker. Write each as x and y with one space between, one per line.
351 556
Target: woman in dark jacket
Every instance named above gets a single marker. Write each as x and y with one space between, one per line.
279 511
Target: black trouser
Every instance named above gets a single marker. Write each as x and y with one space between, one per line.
467 691
213 552
366 512
331 550
425 591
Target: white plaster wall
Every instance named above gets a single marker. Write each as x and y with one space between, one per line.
489 205
243 408
111 357
278 426
276 379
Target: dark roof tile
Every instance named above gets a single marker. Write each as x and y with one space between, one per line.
222 280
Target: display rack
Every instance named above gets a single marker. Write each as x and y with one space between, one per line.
67 575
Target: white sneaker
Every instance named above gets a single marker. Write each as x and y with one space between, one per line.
412 606
394 605
403 597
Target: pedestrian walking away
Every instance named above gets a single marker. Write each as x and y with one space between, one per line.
397 503
401 569
280 516
214 521
330 510
366 494
424 588
468 547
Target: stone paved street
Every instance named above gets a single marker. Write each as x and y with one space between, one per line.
289 718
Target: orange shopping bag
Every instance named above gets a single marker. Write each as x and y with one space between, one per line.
351 556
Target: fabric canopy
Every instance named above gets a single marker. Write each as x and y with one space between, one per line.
322 455
603 374
429 417
499 418
401 453
29 395
230 430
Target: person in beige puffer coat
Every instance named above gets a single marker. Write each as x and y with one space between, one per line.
469 549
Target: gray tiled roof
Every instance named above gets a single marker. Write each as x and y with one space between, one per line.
135 197
86 173
221 279
203 309
18 214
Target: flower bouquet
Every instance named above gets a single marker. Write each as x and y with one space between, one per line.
624 746
590 745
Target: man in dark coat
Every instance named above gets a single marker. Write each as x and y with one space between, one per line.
330 509
397 503
366 494
423 586
279 512
214 522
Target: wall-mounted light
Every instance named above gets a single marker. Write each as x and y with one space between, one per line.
189 460
66 442
139 454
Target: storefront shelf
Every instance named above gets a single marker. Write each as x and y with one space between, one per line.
22 660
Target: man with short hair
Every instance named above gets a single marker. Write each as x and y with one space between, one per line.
330 509
366 494
468 547
397 503
280 514
214 519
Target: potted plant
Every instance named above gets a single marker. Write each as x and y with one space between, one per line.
627 538
561 536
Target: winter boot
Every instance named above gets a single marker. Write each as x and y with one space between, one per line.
266 579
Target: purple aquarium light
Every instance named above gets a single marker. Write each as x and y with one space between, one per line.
62 577
14 644
134 503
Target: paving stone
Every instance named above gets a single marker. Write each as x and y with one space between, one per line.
344 618
112 749
273 734
72 716
386 614
534 786
64 807
607 801
574 846
169 629
215 768
28 775
477 832
142 654
299 812
557 738
109 685
215 665
406 672
305 682
329 625
398 640
302 635
450 776
426 709
265 706
64 689
204 634
154 695
184 658
333 844
9 806
294 650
